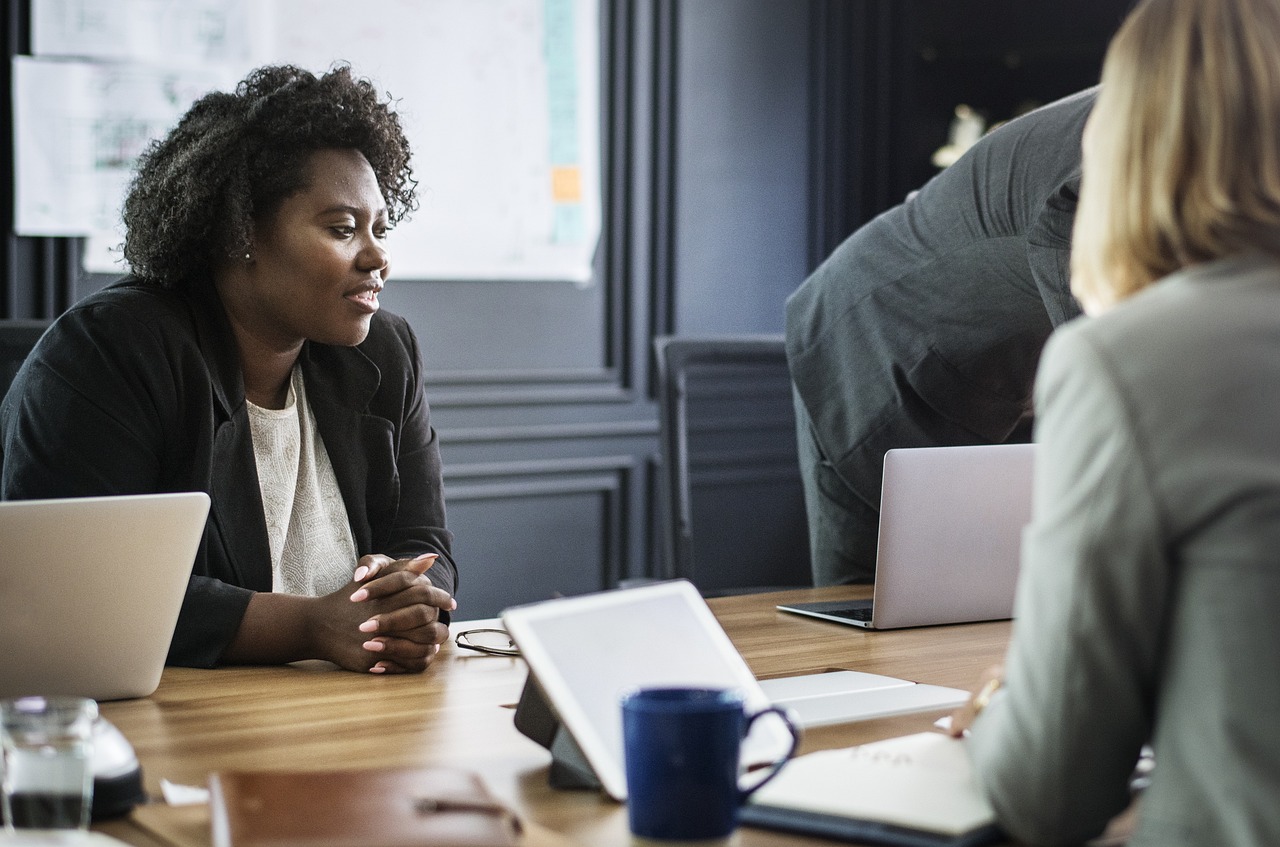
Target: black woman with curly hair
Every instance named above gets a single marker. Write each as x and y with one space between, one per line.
246 356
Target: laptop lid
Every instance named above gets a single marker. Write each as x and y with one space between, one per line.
90 590
585 652
951 522
949 548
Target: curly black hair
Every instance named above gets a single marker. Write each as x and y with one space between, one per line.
233 158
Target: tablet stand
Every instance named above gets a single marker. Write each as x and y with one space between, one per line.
536 719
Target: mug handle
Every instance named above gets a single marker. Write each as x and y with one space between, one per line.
744 793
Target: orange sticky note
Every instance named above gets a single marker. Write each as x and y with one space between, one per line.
566 183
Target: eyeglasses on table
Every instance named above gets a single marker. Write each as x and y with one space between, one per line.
495 642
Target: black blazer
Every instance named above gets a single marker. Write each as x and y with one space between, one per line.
137 389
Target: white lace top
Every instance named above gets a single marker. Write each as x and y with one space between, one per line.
312 549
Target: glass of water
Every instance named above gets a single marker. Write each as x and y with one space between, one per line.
48 778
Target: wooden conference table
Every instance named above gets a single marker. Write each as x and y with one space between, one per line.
310 716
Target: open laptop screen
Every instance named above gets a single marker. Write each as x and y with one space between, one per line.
951 521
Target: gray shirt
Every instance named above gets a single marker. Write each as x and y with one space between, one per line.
1146 608
924 327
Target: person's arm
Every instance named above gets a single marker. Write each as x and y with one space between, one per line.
1054 747
388 604
1049 251
80 420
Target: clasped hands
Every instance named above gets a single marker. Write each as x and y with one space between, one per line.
395 609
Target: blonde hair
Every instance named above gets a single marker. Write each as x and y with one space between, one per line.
1182 150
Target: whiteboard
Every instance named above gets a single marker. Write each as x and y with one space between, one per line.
499 99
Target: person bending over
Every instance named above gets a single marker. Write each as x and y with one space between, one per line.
924 327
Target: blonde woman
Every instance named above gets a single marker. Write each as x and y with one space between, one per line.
1146 613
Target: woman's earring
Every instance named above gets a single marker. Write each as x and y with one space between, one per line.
248 257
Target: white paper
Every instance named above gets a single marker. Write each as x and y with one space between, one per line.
499 100
151 31
177 794
885 781
79 127
487 118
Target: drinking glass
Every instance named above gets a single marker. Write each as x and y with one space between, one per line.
47 745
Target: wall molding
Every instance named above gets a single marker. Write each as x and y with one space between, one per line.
527 396
518 433
610 478
543 467
664 69
530 376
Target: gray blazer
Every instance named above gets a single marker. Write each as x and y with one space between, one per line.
924 327
1146 610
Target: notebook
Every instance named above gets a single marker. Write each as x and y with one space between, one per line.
386 807
913 791
951 521
90 590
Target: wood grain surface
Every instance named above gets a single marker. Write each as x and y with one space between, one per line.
312 716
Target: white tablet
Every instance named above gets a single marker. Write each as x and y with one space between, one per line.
585 652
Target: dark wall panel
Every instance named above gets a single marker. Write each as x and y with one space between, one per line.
536 325
530 540
741 174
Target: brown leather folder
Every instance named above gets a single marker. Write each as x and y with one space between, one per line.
441 807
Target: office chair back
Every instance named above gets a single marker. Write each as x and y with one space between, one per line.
735 516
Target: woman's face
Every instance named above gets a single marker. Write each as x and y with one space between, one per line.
318 263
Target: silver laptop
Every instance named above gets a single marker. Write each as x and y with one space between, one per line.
951 521
90 590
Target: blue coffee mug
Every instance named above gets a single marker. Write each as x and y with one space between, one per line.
682 749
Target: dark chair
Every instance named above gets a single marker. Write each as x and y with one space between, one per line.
734 505
17 337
